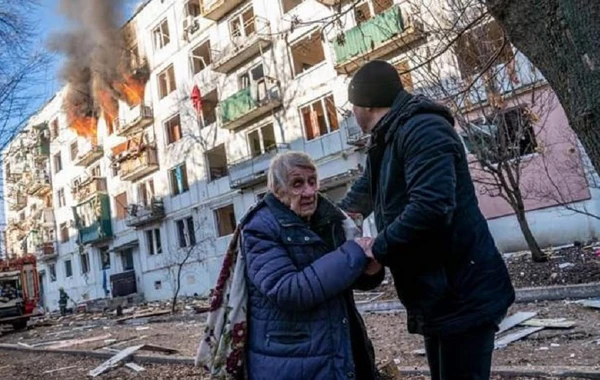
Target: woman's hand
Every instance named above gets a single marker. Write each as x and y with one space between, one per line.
373 268
365 243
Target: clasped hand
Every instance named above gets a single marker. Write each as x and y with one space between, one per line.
366 244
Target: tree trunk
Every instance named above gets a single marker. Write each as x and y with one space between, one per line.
562 39
177 288
537 255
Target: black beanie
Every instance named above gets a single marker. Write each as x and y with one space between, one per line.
376 84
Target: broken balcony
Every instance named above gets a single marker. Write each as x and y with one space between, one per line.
38 184
137 164
140 215
90 156
46 250
42 142
88 188
243 48
136 119
15 173
17 202
217 9
386 33
93 220
252 170
250 103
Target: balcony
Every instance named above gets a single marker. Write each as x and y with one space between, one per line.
250 171
242 49
17 202
89 157
15 230
375 38
140 215
93 220
138 118
15 173
88 188
38 184
354 135
250 103
46 250
41 146
217 9
135 165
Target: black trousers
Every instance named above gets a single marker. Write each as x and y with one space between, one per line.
464 356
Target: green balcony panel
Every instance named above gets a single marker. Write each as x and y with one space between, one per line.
369 34
237 105
101 227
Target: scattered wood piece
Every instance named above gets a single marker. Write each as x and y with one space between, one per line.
555 323
142 328
135 367
60 369
144 315
514 320
24 344
200 309
126 340
114 361
152 347
420 352
73 342
594 304
513 337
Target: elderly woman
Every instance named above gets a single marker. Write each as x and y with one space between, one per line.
302 320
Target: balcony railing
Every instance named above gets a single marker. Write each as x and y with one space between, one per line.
46 250
252 170
15 173
138 118
38 184
354 135
372 39
216 9
89 188
250 103
140 215
17 202
93 219
136 165
90 156
243 48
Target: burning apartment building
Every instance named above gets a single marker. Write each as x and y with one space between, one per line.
161 138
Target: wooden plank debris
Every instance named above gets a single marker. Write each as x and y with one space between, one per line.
155 348
515 320
144 315
24 344
135 367
551 323
128 340
114 361
594 304
60 369
73 342
513 337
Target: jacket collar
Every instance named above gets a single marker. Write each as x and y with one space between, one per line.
326 212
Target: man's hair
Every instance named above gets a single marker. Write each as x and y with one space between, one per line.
282 164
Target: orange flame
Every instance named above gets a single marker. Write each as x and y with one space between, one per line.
85 126
109 107
131 89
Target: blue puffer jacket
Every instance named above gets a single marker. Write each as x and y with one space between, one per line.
303 323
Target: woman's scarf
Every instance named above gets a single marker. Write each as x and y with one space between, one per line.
222 349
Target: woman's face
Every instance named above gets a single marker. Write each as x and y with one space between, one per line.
300 194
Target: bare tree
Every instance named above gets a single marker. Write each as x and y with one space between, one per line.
20 65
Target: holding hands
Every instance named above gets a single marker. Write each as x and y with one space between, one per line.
366 243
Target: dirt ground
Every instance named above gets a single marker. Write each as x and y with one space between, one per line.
578 346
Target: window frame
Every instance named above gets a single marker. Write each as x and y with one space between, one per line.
169 139
158 34
174 181
216 213
169 87
186 235
323 100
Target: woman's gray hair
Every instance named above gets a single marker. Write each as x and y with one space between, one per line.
282 164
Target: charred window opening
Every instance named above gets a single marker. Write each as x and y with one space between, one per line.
319 118
166 82
307 53
209 108
217 163
261 140
173 129
201 57
225 218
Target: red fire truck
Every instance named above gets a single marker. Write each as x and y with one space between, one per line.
19 291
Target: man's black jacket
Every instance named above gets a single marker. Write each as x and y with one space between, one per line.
431 233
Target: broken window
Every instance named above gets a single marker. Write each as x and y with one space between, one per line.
405 75
362 12
476 48
95 171
105 258
179 180
217 163
57 163
200 57
225 218
74 150
68 268
501 137
121 206
166 82
288 5
307 53
192 8
154 242
52 271
127 259
173 129
161 35
242 25
252 76
85 263
319 118
134 56
60 196
261 140
146 192
54 129
209 108
185 232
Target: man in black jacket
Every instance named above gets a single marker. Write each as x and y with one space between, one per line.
432 235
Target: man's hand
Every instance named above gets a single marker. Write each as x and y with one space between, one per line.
373 268
365 243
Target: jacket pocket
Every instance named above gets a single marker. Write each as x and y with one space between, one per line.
287 337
